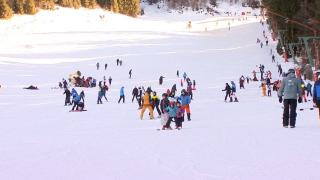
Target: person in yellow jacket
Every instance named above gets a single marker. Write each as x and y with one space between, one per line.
146 104
264 89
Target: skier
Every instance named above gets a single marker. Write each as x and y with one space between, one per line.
233 92
228 92
68 96
179 116
104 90
267 42
135 93
181 83
178 74
105 66
269 89
161 80
82 95
122 96
316 94
100 95
273 58
241 82
146 105
248 79
189 91
98 65
110 80
130 73
290 89
261 44
76 100
65 84
303 92
185 102
155 102
194 84
139 97
309 89
173 91
264 89
185 76
118 61
164 103
172 111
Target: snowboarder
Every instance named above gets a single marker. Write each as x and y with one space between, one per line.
146 105
68 97
290 90
122 96
130 73
161 80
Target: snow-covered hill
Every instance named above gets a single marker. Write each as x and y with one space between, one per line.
41 139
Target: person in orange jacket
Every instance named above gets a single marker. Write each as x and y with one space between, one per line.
264 89
146 104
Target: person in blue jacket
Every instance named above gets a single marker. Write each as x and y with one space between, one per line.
185 101
122 96
172 111
100 95
316 94
76 100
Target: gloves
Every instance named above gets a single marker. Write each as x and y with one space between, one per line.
280 99
299 100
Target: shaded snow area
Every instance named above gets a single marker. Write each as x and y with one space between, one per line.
41 140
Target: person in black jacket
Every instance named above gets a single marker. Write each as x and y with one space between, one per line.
164 103
135 93
155 102
228 92
110 80
68 95
161 80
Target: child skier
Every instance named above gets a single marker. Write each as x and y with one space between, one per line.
179 116
185 103
269 89
155 102
172 111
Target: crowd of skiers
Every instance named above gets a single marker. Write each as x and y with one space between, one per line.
171 107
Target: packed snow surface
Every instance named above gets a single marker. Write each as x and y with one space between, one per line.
41 139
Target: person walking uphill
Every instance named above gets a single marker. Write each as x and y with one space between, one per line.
290 90
228 92
185 103
122 96
146 104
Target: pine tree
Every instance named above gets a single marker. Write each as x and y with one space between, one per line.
92 4
114 6
45 4
134 8
5 10
76 4
18 6
29 7
85 3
